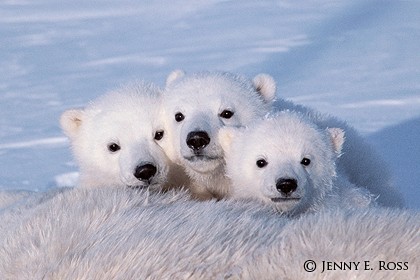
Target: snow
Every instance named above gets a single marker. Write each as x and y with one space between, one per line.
358 60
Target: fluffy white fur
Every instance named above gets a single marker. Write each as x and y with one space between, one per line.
114 137
206 102
288 162
114 233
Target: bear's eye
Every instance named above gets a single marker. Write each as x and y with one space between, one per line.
179 117
113 147
261 163
159 135
305 161
226 114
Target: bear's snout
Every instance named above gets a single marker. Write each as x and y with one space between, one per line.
145 172
286 185
197 140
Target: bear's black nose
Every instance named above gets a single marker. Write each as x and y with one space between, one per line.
145 172
286 185
197 140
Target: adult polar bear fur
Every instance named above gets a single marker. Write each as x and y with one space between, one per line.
195 108
114 233
114 140
286 161
199 104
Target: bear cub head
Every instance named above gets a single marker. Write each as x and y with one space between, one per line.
283 160
114 139
197 105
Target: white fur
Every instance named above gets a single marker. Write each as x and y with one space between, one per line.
201 98
114 233
128 117
284 141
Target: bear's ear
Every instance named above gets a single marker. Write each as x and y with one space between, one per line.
337 139
265 85
70 121
173 76
226 136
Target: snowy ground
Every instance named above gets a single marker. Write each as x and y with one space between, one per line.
358 60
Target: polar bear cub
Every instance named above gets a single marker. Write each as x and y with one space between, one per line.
114 139
287 161
196 106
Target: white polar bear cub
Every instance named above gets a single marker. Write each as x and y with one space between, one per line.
287 161
114 139
196 106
